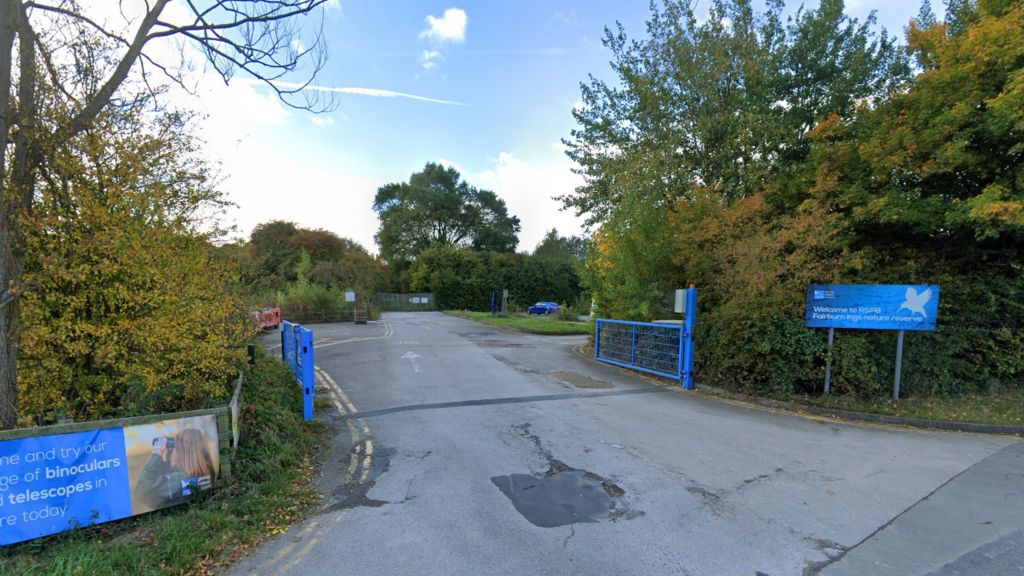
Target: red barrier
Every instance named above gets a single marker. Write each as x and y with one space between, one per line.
268 317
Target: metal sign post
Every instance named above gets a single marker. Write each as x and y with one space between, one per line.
828 359
899 366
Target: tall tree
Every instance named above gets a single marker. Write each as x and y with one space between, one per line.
65 57
562 248
436 207
710 111
274 252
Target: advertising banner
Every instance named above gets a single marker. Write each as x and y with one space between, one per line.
49 484
872 306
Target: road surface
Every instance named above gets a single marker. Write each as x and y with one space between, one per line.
466 449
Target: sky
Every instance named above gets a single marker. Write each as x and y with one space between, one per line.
484 86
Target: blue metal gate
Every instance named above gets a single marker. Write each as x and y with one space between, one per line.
297 352
662 349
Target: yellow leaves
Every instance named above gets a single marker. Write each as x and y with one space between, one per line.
128 311
1000 211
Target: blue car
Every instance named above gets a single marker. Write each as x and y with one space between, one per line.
543 308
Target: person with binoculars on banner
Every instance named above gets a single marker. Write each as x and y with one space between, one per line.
178 467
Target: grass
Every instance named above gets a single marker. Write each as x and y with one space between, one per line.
1000 408
530 324
270 490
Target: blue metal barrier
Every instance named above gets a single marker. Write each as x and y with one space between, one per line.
662 349
297 352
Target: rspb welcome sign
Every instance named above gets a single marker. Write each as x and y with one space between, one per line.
872 306
53 483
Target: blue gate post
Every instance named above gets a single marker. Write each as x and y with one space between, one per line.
691 323
308 382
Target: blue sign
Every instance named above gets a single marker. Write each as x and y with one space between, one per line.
53 483
872 306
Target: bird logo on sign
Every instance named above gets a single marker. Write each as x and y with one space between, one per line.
915 302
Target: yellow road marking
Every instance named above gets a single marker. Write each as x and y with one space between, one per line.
367 461
291 545
345 407
354 461
298 556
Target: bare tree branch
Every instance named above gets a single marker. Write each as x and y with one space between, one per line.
93 106
76 16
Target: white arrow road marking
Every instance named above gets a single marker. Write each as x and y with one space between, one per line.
412 356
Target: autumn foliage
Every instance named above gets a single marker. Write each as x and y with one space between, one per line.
126 310
920 179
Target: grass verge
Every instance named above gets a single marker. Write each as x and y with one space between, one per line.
530 324
1005 408
270 490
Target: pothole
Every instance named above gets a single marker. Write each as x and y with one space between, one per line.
477 335
581 381
562 496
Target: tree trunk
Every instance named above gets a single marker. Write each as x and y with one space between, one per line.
9 12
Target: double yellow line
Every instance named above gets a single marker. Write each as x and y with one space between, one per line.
362 455
358 471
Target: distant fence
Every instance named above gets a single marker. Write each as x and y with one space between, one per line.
56 478
297 352
657 348
417 302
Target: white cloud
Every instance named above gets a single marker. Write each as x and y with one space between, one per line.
322 121
298 46
451 27
571 19
429 58
528 190
449 164
270 185
333 5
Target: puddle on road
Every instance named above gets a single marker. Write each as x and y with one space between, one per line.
353 493
562 496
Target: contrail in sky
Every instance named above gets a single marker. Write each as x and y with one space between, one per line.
375 92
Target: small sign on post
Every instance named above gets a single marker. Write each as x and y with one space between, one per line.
898 307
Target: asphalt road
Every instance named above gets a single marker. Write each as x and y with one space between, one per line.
465 449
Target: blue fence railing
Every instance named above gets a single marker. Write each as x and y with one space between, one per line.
297 352
656 348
